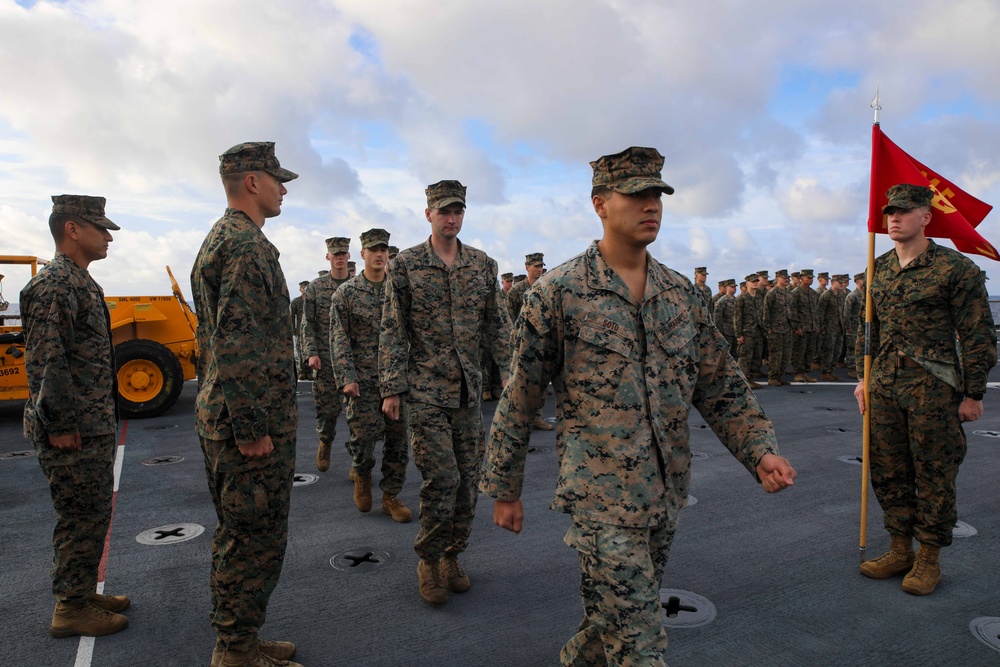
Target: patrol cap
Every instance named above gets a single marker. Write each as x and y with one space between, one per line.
840 278
508 276
752 278
254 156
762 274
633 170
701 270
351 266
906 196
393 250
86 207
823 274
723 283
444 193
731 281
324 272
374 237
795 274
859 276
338 244
303 283
519 277
781 273
534 259
806 273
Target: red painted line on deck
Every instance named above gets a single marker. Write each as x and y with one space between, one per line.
102 569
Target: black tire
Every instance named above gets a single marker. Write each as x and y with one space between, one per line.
159 366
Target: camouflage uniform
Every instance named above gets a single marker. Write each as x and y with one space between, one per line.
917 441
723 317
703 290
625 379
70 367
435 320
624 457
514 299
802 316
779 329
831 313
301 361
355 321
246 390
316 343
854 315
748 324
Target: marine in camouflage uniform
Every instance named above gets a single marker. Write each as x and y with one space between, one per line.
778 328
854 307
355 322
301 362
245 413
923 385
722 315
803 319
534 264
442 306
316 345
626 370
718 295
831 314
748 324
700 276
70 416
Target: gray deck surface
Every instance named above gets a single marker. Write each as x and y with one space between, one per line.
781 570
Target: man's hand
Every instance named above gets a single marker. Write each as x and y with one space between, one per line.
775 473
739 339
390 407
314 362
353 390
258 449
73 440
969 410
508 514
859 393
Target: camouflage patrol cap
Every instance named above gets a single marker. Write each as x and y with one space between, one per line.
723 283
731 281
906 196
86 207
393 250
351 266
795 274
805 273
254 156
338 244
762 274
303 283
519 277
633 170
507 276
324 272
534 259
443 193
701 270
781 273
374 237
859 276
823 274
840 278
752 278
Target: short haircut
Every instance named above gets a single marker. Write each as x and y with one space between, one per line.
57 225
601 191
232 182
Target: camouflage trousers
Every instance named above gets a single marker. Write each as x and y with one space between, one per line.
81 483
251 498
448 446
368 424
329 403
780 349
491 374
621 570
803 351
830 349
917 444
750 351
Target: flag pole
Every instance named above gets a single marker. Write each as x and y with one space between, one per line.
869 308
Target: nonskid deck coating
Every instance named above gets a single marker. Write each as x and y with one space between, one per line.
780 569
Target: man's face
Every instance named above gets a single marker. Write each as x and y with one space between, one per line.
631 219
908 225
752 286
270 193
507 284
446 222
730 289
823 282
794 281
805 281
93 240
836 286
782 281
338 260
699 278
859 284
376 257
534 272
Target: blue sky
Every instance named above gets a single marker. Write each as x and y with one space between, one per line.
761 110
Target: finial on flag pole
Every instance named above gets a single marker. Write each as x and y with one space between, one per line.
875 105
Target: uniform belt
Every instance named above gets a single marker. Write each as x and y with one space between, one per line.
906 362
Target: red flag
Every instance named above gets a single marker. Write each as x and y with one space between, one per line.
954 212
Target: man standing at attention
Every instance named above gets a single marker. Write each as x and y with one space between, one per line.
748 326
442 306
70 416
779 329
630 348
534 265
316 345
923 385
356 319
245 412
700 276
300 360
831 319
802 318
854 307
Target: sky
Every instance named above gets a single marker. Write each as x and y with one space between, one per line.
761 109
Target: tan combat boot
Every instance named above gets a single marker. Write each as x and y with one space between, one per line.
829 377
113 603
926 572
255 657
83 618
395 508
801 377
773 383
897 560
278 652
541 425
323 456
455 577
363 492
429 582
